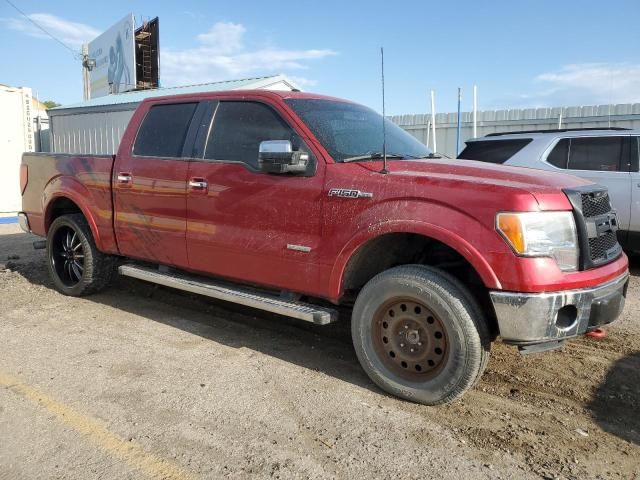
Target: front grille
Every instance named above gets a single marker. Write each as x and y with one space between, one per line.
596 203
596 224
599 246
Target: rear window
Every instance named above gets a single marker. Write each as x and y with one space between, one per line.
163 130
493 151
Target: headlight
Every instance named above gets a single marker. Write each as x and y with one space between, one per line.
542 234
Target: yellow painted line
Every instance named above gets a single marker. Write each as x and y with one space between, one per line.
133 454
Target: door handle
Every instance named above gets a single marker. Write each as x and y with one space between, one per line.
198 183
124 178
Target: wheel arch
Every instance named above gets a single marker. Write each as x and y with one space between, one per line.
353 255
66 201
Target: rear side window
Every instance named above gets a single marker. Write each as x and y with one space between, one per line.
559 156
163 130
602 153
493 151
239 127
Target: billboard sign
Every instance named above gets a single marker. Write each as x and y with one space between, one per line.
114 54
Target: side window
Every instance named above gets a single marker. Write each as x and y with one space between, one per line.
163 130
493 151
559 156
239 127
602 153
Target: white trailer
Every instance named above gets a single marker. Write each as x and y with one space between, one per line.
16 137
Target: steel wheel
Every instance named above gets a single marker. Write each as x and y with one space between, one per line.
409 339
67 256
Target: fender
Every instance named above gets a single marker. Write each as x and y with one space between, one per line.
454 241
99 220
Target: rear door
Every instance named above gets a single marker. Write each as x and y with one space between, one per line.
150 187
244 224
604 160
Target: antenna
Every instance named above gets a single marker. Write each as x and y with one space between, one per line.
384 129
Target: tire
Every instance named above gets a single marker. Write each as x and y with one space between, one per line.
76 267
420 335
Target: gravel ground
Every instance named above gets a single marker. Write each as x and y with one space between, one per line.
144 382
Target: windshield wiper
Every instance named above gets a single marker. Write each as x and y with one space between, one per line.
372 156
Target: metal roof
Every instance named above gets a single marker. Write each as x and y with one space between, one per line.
139 95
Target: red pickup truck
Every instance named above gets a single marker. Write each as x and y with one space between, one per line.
279 201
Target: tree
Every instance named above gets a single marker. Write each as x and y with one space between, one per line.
50 104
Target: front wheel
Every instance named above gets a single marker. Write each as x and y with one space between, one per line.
76 266
419 334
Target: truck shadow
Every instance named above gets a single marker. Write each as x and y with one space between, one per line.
327 349
616 401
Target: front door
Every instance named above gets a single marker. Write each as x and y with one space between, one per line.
150 192
247 225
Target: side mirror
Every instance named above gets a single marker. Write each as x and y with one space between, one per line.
278 156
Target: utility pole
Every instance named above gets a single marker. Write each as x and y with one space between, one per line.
560 119
475 111
433 120
87 66
458 128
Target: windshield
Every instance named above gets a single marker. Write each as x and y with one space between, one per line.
348 130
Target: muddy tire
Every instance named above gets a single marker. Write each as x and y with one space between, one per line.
420 335
76 267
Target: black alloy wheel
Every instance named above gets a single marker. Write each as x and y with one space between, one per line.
67 256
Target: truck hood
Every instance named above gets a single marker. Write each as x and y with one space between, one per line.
545 186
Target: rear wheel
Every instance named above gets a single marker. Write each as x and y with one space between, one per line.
76 266
419 334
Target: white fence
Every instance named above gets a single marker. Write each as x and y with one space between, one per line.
491 121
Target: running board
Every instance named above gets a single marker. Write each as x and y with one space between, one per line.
269 303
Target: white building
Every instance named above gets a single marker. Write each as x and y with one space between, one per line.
95 127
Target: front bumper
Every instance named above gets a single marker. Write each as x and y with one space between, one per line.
23 221
532 318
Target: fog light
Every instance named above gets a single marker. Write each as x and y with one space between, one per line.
567 317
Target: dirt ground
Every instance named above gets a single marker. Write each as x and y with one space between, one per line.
144 382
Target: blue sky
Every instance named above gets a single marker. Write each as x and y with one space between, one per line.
519 53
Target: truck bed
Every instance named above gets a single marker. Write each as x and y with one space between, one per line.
86 180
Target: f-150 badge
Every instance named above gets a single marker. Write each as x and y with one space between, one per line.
348 193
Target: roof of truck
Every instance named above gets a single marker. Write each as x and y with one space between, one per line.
285 95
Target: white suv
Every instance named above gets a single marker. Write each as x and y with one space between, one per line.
605 156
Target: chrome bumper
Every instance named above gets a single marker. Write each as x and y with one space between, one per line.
23 221
531 318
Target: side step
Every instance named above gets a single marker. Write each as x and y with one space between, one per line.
270 303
